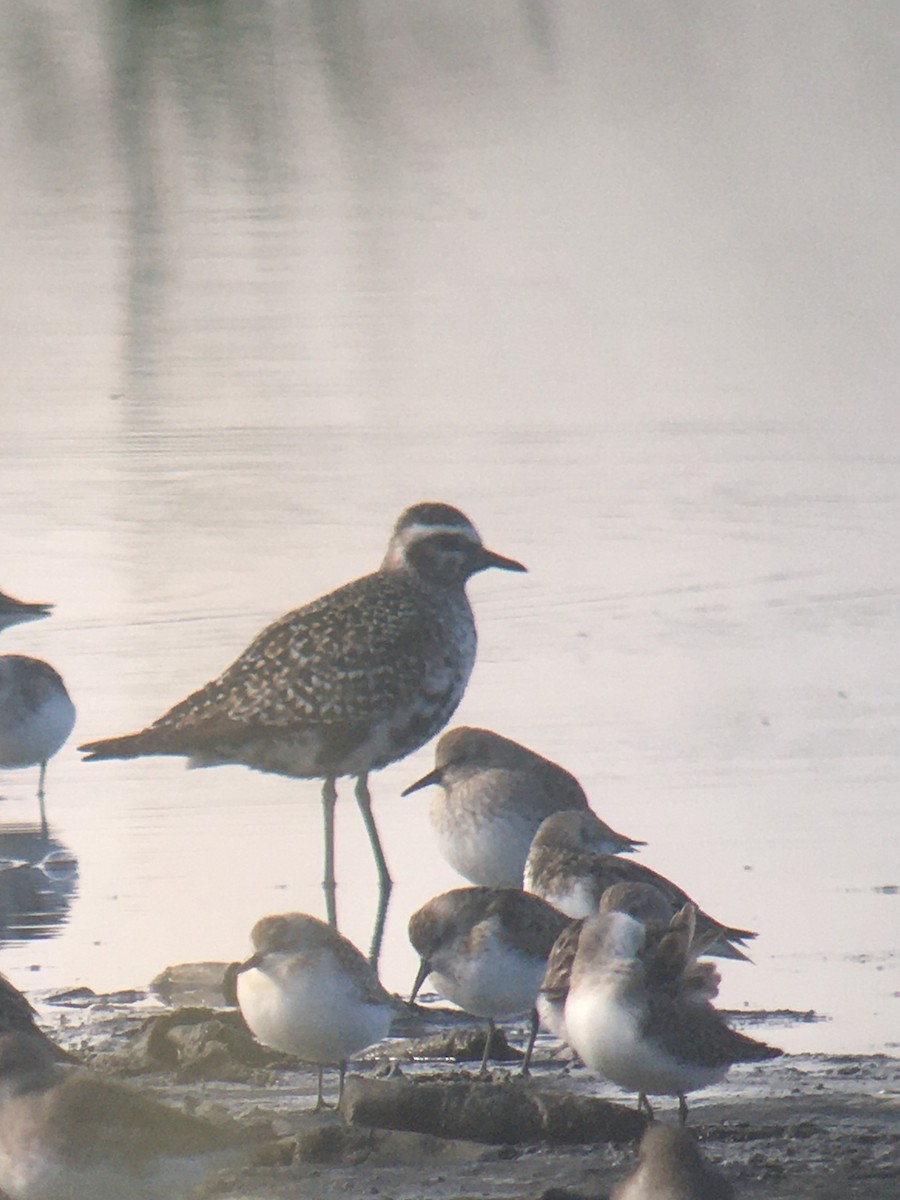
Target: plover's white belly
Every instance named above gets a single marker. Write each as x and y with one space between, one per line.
605 1033
29 736
488 846
315 1013
498 981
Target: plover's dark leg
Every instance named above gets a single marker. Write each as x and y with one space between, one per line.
487 1049
682 1109
364 800
385 883
342 1075
532 1037
45 831
644 1105
329 799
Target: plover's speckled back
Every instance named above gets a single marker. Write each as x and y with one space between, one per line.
36 716
69 1134
486 950
493 795
14 612
631 1017
566 869
672 1167
348 683
308 991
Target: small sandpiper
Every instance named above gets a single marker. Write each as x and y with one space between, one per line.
565 869
14 612
493 795
36 716
672 1167
70 1134
635 1014
307 991
640 900
346 684
486 950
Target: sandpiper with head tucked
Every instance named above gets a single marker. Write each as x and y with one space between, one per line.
567 869
493 795
486 950
347 684
69 1134
307 991
672 1167
635 1013
640 900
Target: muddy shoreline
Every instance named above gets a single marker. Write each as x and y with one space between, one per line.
798 1128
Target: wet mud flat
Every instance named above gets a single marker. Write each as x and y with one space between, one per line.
415 1121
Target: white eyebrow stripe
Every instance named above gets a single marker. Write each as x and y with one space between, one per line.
420 530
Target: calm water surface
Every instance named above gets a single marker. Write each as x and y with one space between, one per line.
620 282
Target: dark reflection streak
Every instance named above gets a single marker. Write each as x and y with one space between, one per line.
540 20
38 882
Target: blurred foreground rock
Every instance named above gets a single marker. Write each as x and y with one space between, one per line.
508 1112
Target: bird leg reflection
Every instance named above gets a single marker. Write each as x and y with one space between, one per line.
329 799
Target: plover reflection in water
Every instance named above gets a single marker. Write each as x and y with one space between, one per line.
36 716
347 684
309 992
636 1015
566 871
492 796
672 1167
69 1134
486 950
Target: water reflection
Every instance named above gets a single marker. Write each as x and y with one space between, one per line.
38 883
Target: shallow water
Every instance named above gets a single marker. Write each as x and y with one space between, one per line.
619 283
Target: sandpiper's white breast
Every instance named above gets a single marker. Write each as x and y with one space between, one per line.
36 713
604 1029
485 842
497 979
311 1009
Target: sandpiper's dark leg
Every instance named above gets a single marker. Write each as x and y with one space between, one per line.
385 883
342 1075
644 1105
329 799
682 1109
487 1048
45 831
320 1099
532 1037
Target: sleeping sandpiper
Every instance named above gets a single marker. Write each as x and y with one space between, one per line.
672 1167
493 795
646 904
308 991
565 869
36 716
486 950
631 1017
14 612
346 684
70 1134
